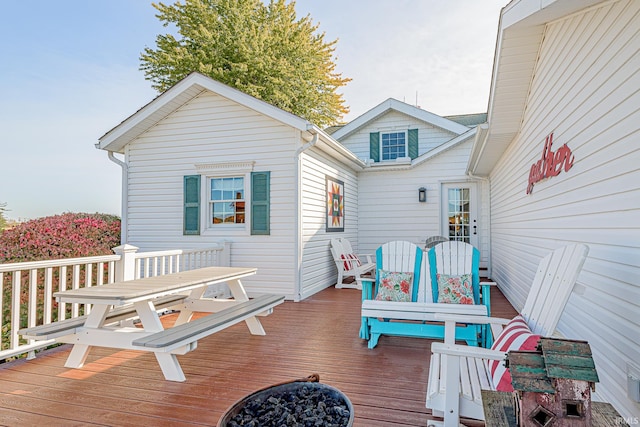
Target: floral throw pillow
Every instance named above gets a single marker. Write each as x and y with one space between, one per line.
394 286
455 289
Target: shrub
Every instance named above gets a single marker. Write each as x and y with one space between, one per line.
69 235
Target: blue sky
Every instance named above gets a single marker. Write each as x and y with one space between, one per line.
69 73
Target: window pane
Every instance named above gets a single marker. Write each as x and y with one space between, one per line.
227 200
393 145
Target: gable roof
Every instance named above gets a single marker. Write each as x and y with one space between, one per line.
179 94
520 35
410 110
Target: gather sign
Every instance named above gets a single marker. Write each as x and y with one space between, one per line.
551 163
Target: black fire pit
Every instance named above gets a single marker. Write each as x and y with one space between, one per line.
299 403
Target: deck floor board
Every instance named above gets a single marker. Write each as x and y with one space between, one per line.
386 385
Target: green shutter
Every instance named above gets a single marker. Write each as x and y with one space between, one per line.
260 183
413 143
191 222
374 146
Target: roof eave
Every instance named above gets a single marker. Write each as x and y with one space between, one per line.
520 20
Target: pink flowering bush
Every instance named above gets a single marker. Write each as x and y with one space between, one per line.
69 235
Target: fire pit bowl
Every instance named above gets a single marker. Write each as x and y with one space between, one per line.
298 403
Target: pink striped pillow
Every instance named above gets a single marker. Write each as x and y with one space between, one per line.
350 260
515 336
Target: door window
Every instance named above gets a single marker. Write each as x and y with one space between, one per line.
459 214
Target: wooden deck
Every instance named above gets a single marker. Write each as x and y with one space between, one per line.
386 385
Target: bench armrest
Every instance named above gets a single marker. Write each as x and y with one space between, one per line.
368 284
451 320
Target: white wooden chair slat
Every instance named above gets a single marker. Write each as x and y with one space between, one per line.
465 380
549 293
474 380
484 377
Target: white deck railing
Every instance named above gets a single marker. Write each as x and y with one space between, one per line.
26 288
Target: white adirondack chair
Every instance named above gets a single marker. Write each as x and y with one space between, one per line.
348 265
458 373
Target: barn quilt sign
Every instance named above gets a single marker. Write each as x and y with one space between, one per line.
335 204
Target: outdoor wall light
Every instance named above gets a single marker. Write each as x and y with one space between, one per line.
422 195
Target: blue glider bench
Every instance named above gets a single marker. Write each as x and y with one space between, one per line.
419 316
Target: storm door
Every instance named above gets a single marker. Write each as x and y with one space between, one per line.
459 212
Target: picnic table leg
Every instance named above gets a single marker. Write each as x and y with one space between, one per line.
170 367
151 322
79 352
185 313
239 294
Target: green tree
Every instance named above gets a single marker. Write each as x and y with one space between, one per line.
262 50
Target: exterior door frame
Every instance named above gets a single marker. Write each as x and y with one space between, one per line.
474 217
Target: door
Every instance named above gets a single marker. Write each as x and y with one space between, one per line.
459 212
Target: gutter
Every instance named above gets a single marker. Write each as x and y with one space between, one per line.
124 196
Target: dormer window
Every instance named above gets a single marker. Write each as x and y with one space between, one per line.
393 145
390 146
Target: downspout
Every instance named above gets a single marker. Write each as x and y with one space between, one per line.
298 177
124 196
488 182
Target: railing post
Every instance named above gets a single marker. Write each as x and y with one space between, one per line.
126 266
225 258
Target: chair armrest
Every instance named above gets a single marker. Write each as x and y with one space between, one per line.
367 256
485 292
367 287
467 351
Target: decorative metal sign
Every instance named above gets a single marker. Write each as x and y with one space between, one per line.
550 164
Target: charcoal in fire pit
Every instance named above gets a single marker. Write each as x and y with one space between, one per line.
294 404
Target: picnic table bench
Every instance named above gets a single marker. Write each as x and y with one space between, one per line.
142 298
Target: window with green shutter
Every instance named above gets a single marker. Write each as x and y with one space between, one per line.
224 207
191 220
385 146
260 200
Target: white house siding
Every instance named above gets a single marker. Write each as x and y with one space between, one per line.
388 201
318 268
586 90
429 137
212 129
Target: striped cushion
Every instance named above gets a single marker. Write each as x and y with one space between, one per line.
515 336
350 260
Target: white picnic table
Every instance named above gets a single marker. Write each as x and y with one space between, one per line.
97 330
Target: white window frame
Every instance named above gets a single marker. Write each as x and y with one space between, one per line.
211 171
211 202
406 144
